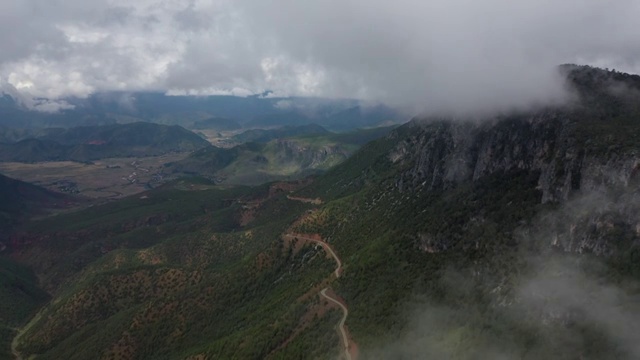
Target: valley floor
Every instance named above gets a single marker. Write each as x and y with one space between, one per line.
102 179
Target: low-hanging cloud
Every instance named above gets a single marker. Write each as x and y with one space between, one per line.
556 311
437 55
559 304
452 55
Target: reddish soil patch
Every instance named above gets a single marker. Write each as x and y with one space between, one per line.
263 261
248 214
354 350
288 186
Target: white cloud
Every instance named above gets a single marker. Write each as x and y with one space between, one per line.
436 54
240 92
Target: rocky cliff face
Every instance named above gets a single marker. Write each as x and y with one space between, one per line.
586 159
442 154
597 191
592 145
310 157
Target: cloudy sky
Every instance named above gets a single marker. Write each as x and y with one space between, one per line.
423 53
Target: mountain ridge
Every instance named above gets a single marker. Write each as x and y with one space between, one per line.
94 142
252 111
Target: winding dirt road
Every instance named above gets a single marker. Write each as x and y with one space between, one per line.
14 347
345 313
323 292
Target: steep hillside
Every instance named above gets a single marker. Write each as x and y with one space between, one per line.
20 295
19 200
32 150
95 142
168 274
12 134
513 237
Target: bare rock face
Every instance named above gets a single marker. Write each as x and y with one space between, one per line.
443 154
595 190
309 157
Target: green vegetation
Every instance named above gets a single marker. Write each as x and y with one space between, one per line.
384 234
319 334
175 268
467 266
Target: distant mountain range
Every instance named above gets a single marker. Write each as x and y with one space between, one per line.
88 143
224 112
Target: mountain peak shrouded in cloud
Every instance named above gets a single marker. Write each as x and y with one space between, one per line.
38 104
437 55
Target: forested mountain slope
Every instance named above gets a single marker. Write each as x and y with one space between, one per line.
512 237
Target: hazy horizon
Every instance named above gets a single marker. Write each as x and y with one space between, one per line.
459 56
